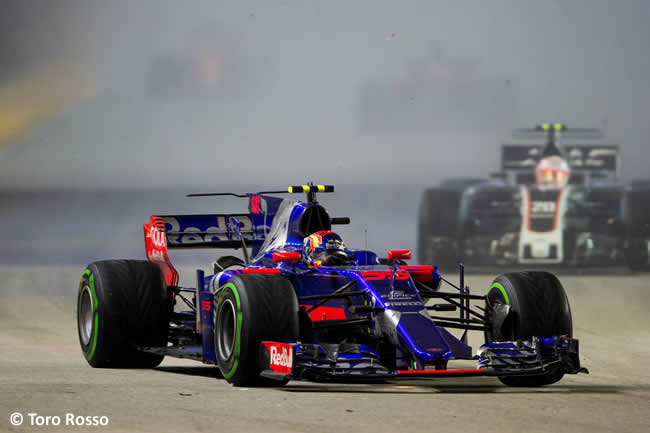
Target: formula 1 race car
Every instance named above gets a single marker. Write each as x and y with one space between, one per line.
302 305
550 205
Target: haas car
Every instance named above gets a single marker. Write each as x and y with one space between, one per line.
301 304
550 205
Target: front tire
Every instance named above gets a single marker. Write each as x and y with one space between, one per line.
122 304
249 309
539 307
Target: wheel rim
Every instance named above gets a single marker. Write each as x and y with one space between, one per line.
85 315
227 328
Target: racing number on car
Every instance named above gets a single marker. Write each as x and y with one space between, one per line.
543 207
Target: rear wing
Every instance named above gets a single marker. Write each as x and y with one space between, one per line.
208 231
588 162
233 231
230 231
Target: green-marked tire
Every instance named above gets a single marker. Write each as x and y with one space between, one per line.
538 307
250 309
122 304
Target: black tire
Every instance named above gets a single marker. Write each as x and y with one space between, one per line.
226 262
636 255
122 304
249 309
538 307
637 226
439 218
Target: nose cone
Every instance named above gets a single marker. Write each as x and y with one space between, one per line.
423 337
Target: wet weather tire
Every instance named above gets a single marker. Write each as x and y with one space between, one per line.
122 304
249 309
538 307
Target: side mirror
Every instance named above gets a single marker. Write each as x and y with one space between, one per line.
286 256
399 254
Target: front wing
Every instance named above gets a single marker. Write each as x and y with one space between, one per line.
353 362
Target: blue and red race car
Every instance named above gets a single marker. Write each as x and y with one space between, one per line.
302 305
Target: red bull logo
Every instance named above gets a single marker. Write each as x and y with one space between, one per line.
280 357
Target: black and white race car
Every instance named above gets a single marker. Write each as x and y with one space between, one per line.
550 204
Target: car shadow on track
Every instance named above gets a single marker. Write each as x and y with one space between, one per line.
438 388
192 371
486 385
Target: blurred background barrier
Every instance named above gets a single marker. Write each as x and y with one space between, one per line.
112 111
37 95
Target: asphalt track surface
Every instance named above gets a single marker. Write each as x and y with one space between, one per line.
42 371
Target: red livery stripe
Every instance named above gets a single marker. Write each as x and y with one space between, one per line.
325 313
423 274
443 372
383 275
259 271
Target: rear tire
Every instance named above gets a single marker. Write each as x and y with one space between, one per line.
538 307
122 304
249 309
636 255
438 227
637 226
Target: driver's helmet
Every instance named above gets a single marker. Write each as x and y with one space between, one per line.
325 248
552 171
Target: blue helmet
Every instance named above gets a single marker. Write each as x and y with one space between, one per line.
325 248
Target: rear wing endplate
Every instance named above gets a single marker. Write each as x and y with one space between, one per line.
156 243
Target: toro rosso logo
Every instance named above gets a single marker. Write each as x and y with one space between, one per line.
280 357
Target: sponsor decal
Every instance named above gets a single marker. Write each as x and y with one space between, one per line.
404 304
156 244
280 357
194 229
400 294
542 215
